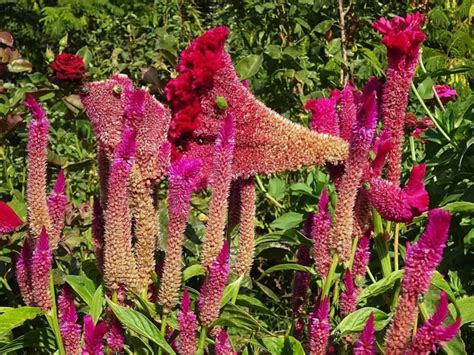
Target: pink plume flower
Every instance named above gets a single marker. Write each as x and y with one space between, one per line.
396 204
361 257
40 269
433 332
320 235
348 299
347 113
213 288
23 274
445 93
57 201
9 220
70 330
381 148
223 346
319 328
365 345
187 327
93 336
324 115
115 336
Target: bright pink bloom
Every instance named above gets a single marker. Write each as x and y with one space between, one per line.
9 220
70 330
320 235
396 204
319 328
347 112
348 299
213 288
361 257
40 269
187 327
93 336
223 346
381 148
57 201
324 115
115 336
98 230
445 93
433 332
23 274
365 345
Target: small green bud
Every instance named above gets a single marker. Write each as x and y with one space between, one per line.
49 55
117 89
221 102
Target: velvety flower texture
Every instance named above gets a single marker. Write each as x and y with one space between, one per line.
183 178
223 346
213 288
187 327
220 184
70 330
23 274
40 269
433 332
396 204
319 328
361 258
115 336
365 345
324 115
57 201
348 299
320 235
445 93
93 336
9 220
402 36
68 67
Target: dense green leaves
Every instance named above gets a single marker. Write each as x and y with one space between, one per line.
15 317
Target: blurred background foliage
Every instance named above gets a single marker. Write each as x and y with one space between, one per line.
289 50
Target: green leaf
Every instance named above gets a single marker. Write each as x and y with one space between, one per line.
283 345
85 54
459 207
249 66
356 321
466 307
287 221
97 303
300 187
425 89
381 286
192 271
140 324
253 303
83 286
324 26
20 66
38 338
439 282
231 291
268 292
292 266
277 188
15 317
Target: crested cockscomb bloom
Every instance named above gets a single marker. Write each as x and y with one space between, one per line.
37 154
115 336
223 346
212 289
361 258
9 220
319 328
93 336
320 235
23 272
39 272
183 178
245 254
348 299
381 148
70 330
187 327
433 333
220 183
421 261
57 201
119 261
416 127
445 93
265 142
324 115
403 37
365 345
98 233
400 204
361 140
301 281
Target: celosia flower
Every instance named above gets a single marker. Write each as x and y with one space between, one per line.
324 115
115 337
119 261
265 142
396 204
348 299
416 127
187 327
301 281
347 112
421 261
361 258
445 93
9 220
23 275
403 38
381 148
57 201
320 236
432 332
247 226
183 178
37 154
39 272
70 330
319 328
365 345
98 233
93 336
68 67
220 183
213 288
223 346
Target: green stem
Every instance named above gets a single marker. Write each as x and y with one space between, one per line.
423 69
353 251
164 317
52 317
328 281
372 278
381 244
267 195
412 148
202 340
395 245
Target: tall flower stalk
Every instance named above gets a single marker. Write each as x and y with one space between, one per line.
187 327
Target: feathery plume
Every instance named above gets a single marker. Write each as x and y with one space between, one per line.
220 184
183 177
320 236
23 272
348 299
57 201
361 257
324 115
9 220
347 112
187 327
365 345
223 346
319 328
115 337
93 336
40 269
98 233
213 287
70 330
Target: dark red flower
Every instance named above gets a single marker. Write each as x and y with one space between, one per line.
68 67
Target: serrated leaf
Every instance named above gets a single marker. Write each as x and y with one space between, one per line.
249 66
356 321
83 286
15 317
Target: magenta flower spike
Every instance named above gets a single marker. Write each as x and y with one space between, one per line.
70 330
381 148
396 204
403 37
433 333
445 93
23 272
93 336
365 345
324 115
301 281
347 112
319 328
37 154
348 299
98 230
9 220
361 258
183 178
187 327
115 336
320 235
40 269
223 346
220 184
213 288
57 201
